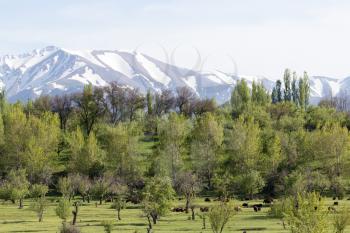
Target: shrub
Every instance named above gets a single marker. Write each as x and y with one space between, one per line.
219 215
68 228
341 220
108 226
63 209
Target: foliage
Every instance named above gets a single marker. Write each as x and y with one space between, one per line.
63 209
341 220
219 216
307 214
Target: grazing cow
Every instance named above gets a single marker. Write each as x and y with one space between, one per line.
336 203
255 208
178 209
268 200
207 199
332 209
204 209
334 198
245 204
237 208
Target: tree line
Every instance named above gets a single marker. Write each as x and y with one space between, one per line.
116 143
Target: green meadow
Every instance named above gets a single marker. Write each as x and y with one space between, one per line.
90 217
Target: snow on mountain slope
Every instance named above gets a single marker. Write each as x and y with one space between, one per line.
54 71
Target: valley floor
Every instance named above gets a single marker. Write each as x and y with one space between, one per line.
90 217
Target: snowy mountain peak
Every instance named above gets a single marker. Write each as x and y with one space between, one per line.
54 71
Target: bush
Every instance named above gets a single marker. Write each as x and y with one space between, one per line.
63 209
219 215
68 228
108 226
341 220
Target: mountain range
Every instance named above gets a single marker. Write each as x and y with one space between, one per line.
54 71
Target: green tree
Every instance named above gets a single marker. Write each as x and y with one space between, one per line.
219 216
16 186
172 134
307 214
207 138
260 96
295 94
240 98
84 153
63 209
304 91
287 85
91 106
341 220
250 183
157 197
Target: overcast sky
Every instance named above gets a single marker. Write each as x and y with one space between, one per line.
261 37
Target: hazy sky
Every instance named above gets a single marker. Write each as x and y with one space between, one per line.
262 36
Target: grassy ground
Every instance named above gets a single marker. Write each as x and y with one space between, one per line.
13 219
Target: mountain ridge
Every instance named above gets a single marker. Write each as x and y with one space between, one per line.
54 71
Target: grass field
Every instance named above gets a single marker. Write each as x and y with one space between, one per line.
13 219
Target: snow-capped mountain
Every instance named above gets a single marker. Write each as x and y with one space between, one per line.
52 71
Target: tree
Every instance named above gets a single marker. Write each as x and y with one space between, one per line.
84 187
278 91
219 216
243 146
119 201
101 186
85 153
120 144
187 185
91 106
63 209
287 85
164 102
149 103
38 190
295 94
304 91
40 152
250 183
16 186
65 187
116 102
134 101
62 105
307 214
39 206
172 133
157 196
260 96
341 220
184 98
240 97
207 138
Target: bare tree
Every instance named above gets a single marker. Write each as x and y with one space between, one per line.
184 98
62 105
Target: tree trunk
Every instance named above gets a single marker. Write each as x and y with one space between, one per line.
119 218
187 205
20 203
88 198
149 224
83 196
41 216
75 213
193 215
100 200
204 227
